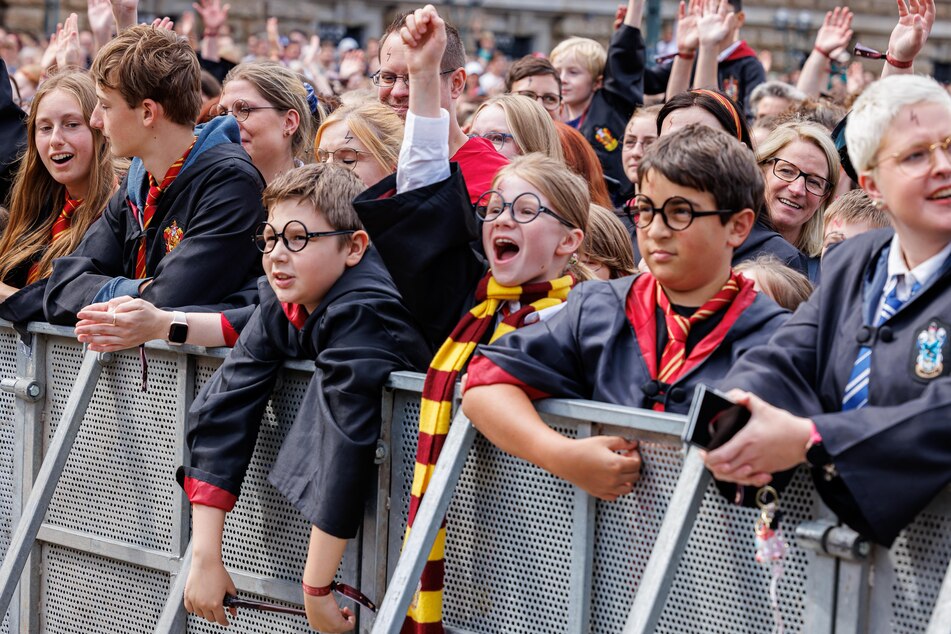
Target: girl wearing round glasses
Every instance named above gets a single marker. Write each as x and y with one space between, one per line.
364 137
516 125
801 168
63 183
275 113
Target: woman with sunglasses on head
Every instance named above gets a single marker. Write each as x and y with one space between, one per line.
801 168
516 125
64 181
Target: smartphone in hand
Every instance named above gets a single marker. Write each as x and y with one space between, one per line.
713 419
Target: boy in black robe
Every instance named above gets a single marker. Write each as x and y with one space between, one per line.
327 298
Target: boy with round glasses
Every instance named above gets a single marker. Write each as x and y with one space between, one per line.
643 341
327 298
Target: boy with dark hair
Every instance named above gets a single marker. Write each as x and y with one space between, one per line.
176 232
327 298
600 90
643 341
477 157
535 77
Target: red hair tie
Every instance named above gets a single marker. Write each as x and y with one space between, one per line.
726 103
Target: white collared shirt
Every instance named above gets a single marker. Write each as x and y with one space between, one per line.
424 155
899 274
728 51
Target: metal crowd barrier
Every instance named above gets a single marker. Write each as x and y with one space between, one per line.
526 552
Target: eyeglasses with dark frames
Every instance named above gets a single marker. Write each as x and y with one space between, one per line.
388 80
295 236
678 213
241 110
348 157
525 208
789 172
549 101
498 139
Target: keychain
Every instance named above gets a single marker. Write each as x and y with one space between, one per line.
770 546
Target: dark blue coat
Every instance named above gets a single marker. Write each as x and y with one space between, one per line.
893 456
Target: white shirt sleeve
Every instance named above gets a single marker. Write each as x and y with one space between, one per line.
424 155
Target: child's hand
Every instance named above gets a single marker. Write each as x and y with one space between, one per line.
715 23
915 20
605 466
424 36
208 583
325 615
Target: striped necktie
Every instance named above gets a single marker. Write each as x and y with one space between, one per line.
856 390
65 217
151 205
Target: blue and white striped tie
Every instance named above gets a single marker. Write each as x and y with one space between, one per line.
856 390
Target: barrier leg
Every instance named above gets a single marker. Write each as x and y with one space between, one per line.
941 616
429 517
174 616
669 547
34 511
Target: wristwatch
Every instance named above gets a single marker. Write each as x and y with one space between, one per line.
178 331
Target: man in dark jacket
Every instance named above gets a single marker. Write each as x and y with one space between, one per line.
177 232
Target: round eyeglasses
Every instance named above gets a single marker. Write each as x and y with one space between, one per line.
295 236
678 213
786 171
498 139
242 110
345 156
524 208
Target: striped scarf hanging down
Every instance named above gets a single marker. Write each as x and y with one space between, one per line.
425 613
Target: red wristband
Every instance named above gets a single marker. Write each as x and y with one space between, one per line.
314 591
896 63
686 54
825 54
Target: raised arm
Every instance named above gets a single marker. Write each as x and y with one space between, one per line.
834 36
915 20
688 39
214 15
716 21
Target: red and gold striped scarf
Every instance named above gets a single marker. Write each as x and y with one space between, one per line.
60 226
425 613
151 205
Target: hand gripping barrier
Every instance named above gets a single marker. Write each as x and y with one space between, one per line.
525 552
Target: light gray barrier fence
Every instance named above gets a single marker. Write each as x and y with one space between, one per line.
526 552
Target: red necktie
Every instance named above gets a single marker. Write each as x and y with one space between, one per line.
151 205
65 217
678 327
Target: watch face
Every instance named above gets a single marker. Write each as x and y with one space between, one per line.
177 333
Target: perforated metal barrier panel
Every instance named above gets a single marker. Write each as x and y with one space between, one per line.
114 532
8 368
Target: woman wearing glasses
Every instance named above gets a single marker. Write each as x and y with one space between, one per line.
364 137
516 125
275 113
801 168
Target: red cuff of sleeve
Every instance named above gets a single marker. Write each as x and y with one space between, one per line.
230 334
199 492
482 371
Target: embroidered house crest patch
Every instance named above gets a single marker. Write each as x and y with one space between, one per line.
731 88
173 235
605 138
930 349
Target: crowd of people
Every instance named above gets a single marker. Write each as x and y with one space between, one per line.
533 228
